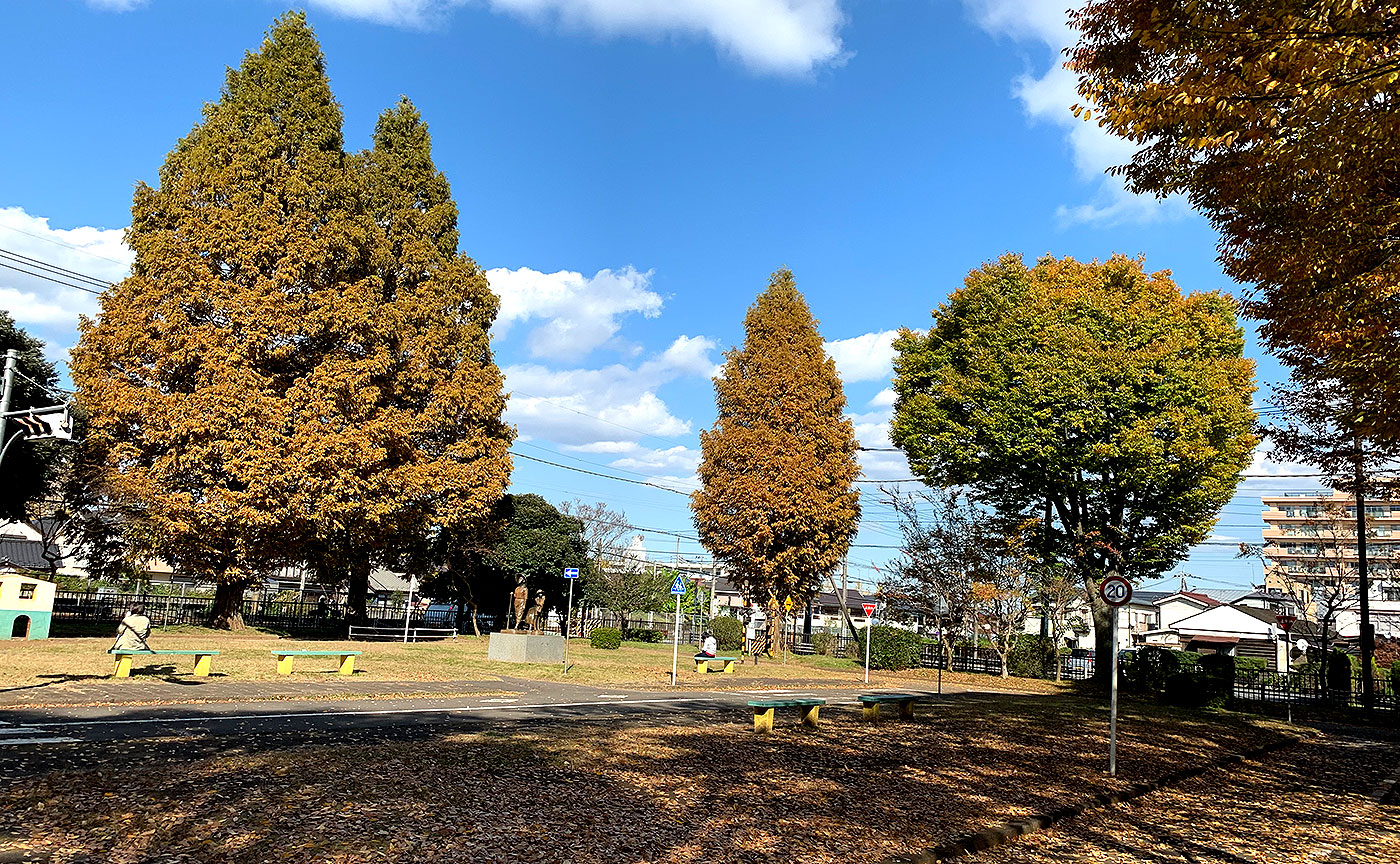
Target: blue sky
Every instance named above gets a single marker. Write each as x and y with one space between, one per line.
630 172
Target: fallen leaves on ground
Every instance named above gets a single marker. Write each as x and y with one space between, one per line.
686 787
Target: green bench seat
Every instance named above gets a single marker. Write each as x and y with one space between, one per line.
702 664
347 659
870 704
203 660
763 711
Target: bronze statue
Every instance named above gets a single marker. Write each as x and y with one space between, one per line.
535 618
519 597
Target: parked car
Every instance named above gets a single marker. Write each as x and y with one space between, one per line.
1080 661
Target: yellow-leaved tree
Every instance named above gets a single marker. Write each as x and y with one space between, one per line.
777 506
298 368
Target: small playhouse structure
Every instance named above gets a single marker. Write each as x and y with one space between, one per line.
26 606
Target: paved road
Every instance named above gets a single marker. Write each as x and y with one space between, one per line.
495 702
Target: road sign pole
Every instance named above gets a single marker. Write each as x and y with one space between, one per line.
676 641
568 625
1113 702
869 637
408 607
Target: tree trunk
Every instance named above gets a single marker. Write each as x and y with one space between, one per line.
1103 641
357 591
227 611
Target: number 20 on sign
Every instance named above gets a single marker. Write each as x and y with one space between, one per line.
1116 591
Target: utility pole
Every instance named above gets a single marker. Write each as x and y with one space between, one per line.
1368 635
11 363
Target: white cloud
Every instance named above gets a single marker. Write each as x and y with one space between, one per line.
579 313
599 410
31 245
873 430
884 399
1047 97
868 357
786 37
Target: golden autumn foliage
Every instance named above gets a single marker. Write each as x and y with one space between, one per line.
1280 121
299 366
777 505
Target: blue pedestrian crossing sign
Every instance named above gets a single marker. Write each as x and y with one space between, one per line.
678 586
570 572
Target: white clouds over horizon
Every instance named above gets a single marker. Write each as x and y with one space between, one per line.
48 309
868 357
784 37
578 313
1047 97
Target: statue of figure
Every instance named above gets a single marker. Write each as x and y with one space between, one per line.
518 598
535 618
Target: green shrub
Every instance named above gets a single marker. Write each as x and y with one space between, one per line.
1250 668
1395 679
1031 657
642 634
1187 659
1216 674
1184 690
605 637
1340 666
824 644
890 648
729 632
1150 668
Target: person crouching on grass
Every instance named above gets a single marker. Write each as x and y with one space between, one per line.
133 631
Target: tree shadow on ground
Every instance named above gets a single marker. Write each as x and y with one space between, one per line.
53 679
685 786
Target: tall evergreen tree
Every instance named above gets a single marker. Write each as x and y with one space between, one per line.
431 402
290 373
777 505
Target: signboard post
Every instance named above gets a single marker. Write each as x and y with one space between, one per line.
408 607
869 635
1116 592
1285 623
571 574
678 589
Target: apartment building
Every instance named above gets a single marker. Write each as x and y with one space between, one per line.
1310 552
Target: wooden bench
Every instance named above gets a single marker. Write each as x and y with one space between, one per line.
203 660
347 660
870 704
702 664
763 711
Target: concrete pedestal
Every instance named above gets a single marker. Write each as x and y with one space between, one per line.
525 648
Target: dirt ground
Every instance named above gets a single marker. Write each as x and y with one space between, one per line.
704 788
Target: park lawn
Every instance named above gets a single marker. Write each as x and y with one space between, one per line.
694 788
245 656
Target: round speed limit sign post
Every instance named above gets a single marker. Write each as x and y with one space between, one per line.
1116 592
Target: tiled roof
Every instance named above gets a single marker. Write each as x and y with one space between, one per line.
22 554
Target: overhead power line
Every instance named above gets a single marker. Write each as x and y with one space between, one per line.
10 265
596 474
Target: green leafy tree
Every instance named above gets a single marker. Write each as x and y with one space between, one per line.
1094 386
30 467
777 506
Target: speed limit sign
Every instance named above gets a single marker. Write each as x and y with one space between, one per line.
1116 591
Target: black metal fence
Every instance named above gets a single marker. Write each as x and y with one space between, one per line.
1264 689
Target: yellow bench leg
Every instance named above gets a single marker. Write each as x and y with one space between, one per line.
763 719
809 715
202 664
906 709
870 711
123 669
284 665
729 667
702 665
347 665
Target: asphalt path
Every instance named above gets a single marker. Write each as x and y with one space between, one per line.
504 703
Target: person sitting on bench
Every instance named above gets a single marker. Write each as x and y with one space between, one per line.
133 631
709 646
